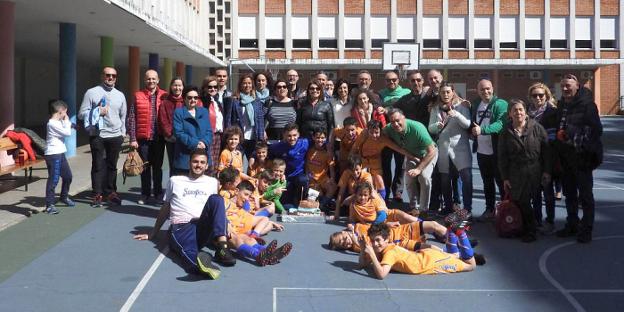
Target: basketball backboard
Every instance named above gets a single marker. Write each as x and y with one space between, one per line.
405 55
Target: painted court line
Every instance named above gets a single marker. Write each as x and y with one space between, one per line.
567 292
148 275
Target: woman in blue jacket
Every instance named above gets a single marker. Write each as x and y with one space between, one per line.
191 127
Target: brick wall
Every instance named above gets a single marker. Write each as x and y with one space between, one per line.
275 7
435 54
328 54
514 54
534 7
584 7
457 7
329 7
458 54
584 54
509 7
376 54
354 7
609 90
560 54
380 7
560 7
354 54
275 54
484 7
489 54
302 7
432 7
609 7
534 54
302 54
248 7
406 7
245 54
609 54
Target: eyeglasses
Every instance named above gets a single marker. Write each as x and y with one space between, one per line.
110 75
417 80
392 80
538 95
314 89
281 87
211 87
192 98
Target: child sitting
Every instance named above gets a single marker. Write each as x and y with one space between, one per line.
229 179
347 182
58 128
231 156
385 256
347 136
367 208
320 168
260 161
271 190
241 220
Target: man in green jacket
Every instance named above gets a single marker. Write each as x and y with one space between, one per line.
488 118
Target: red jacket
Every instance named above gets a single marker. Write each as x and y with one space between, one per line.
140 114
360 120
165 114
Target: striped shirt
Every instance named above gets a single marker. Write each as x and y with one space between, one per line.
279 114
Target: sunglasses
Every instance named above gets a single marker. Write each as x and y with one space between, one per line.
211 87
417 80
192 97
538 95
392 80
110 75
314 89
281 87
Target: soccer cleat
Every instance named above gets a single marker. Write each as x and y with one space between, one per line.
51 210
456 221
283 251
271 246
224 256
265 257
113 198
67 201
479 259
259 240
97 201
205 266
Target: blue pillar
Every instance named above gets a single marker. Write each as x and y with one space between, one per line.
153 61
67 78
188 74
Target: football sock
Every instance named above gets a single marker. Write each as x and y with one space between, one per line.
259 247
382 193
248 251
451 243
465 249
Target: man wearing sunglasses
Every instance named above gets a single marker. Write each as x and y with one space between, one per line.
104 107
145 137
413 104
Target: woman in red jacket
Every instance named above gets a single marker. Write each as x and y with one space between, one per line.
170 102
364 111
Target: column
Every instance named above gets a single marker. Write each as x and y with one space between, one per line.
314 30
261 25
521 30
419 23
393 20
134 69
596 34
153 61
179 72
341 37
367 29
67 78
7 67
106 52
547 29
572 29
167 73
471 52
287 29
188 75
496 32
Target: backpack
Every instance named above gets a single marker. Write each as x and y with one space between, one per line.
508 218
133 166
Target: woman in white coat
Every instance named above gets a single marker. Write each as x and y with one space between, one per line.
449 122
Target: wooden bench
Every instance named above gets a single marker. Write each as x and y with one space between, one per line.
7 144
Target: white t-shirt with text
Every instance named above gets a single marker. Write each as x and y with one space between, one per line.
187 197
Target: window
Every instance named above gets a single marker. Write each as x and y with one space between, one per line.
212 38
300 32
533 44
507 32
558 33
274 30
583 28
406 41
220 30
608 32
327 32
228 53
227 8
302 44
212 7
220 2
431 32
354 44
220 46
457 32
228 39
457 44
246 31
220 15
249 43
533 33
227 23
328 43
275 43
353 32
213 51
379 31
405 29
212 23
483 32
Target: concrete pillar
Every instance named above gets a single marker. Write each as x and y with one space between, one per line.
179 69
188 74
134 69
7 67
68 78
167 74
153 61
106 52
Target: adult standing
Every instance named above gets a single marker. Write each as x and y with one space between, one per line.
314 113
244 110
449 122
171 101
524 161
263 83
280 111
191 127
329 87
322 78
364 82
414 105
413 137
222 80
145 137
294 92
105 107
488 119
392 93
579 148
434 79
210 97
342 101
544 111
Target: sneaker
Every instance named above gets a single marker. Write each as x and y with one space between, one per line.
205 266
584 237
558 196
547 229
479 259
529 238
224 256
272 246
456 221
567 231
158 199
67 201
97 201
266 258
142 200
113 198
51 210
283 251
487 216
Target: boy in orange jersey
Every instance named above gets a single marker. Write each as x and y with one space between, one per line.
241 221
369 145
384 256
229 179
366 207
260 161
347 182
347 136
231 156
320 168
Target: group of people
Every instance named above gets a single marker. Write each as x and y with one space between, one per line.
341 141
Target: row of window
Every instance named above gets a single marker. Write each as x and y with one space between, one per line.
427 44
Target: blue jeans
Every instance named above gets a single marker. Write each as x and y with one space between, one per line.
58 168
447 188
296 190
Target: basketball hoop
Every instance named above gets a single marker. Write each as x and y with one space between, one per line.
274 71
402 72
401 57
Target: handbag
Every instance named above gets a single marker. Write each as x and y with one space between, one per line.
133 166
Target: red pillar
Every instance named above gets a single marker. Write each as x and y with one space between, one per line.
7 69
179 69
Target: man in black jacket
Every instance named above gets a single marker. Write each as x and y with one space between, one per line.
414 104
580 151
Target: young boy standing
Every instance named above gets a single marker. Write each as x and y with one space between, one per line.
320 168
347 136
58 128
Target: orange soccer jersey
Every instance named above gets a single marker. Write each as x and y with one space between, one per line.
404 235
346 143
232 159
240 220
348 180
424 261
257 168
318 162
370 151
367 212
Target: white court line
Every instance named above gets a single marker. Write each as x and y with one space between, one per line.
614 155
148 275
544 269
609 185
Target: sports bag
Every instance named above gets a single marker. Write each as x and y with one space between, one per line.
508 218
133 166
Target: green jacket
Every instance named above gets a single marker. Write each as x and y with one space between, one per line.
499 115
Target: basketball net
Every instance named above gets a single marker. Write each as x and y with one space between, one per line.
402 72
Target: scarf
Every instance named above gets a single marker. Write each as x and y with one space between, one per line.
262 95
365 116
537 113
248 100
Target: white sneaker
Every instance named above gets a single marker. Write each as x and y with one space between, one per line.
142 200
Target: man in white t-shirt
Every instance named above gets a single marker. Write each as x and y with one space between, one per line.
488 119
197 215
